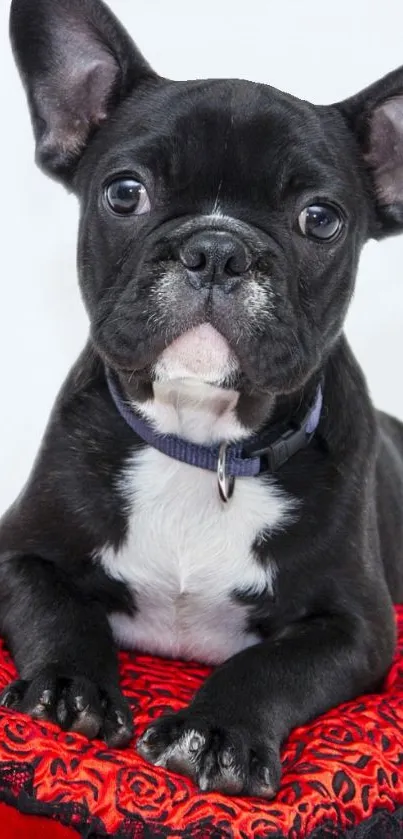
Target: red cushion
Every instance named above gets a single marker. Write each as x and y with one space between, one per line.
343 774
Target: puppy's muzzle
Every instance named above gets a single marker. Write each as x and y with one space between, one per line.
214 257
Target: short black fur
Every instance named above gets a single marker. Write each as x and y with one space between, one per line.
327 630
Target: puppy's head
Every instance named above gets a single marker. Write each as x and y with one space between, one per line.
221 221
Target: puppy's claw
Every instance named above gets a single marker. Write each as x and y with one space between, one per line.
12 694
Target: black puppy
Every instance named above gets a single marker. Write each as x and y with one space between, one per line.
214 482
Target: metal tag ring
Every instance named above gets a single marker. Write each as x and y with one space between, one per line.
226 482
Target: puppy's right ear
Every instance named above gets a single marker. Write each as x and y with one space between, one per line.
77 64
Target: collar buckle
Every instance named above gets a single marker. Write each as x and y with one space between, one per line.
288 444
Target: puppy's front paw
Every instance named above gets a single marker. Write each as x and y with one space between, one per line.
229 759
76 704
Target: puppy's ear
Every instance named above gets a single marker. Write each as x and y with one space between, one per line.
376 117
77 63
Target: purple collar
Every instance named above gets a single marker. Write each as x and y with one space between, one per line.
264 452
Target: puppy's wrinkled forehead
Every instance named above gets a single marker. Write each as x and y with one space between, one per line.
221 139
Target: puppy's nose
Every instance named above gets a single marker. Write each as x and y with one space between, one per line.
214 257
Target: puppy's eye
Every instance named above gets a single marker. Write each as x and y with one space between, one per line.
321 222
126 196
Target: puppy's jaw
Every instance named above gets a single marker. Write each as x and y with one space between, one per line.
201 354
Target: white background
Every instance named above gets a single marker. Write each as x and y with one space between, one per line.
322 51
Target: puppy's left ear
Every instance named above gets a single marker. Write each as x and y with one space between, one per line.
376 117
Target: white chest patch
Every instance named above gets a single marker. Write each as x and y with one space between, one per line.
186 552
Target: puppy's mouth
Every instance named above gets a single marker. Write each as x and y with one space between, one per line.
201 353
